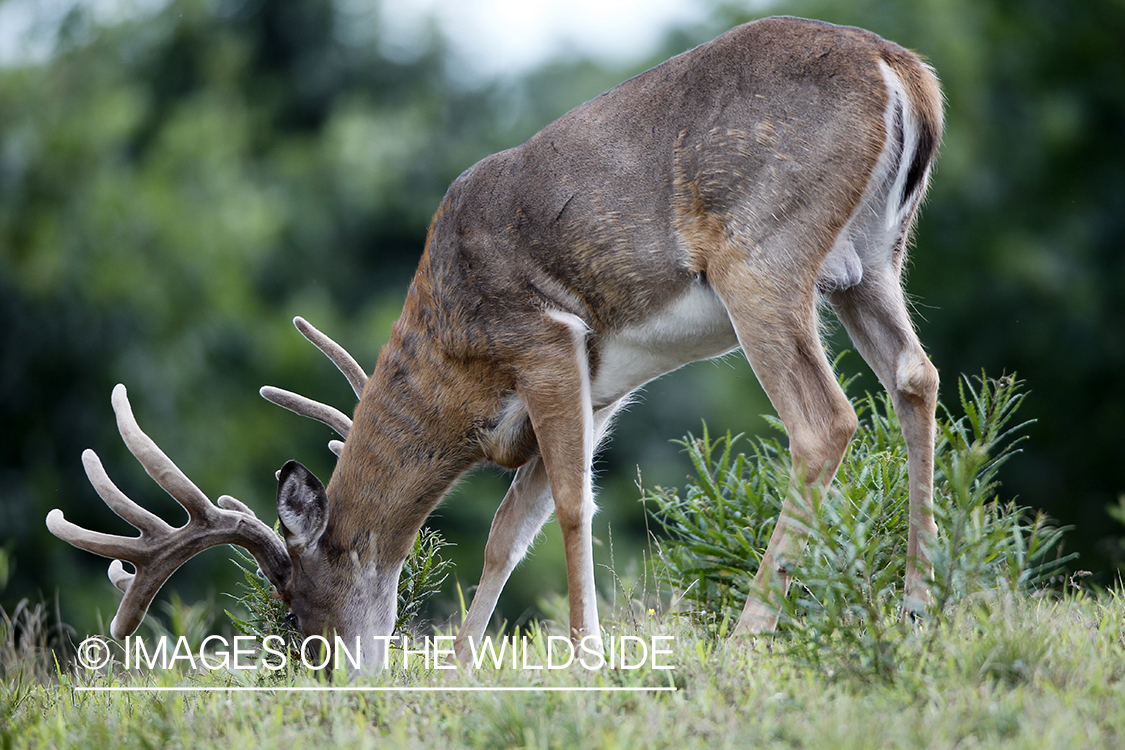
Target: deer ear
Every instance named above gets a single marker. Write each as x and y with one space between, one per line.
302 506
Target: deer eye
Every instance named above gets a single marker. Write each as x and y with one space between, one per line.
291 620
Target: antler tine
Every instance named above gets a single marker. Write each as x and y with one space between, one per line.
155 462
161 549
344 362
120 503
307 407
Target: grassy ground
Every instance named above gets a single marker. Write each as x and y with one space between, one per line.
1019 673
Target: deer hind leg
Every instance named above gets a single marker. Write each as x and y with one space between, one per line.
876 318
525 508
777 329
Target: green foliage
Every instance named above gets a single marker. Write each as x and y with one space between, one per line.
721 524
423 573
1117 548
266 614
986 543
845 613
7 565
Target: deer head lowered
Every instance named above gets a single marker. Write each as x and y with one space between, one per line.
703 205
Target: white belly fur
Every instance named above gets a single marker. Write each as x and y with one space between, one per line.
694 326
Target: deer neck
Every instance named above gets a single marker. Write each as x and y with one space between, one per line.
413 436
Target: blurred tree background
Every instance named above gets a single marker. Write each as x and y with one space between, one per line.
178 181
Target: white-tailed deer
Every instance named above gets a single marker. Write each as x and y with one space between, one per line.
705 204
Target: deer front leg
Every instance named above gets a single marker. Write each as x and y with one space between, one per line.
555 387
525 508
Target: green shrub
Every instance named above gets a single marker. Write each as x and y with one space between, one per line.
844 611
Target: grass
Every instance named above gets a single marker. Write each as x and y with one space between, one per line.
1020 673
1007 657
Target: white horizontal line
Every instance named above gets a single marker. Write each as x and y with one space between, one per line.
375 689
